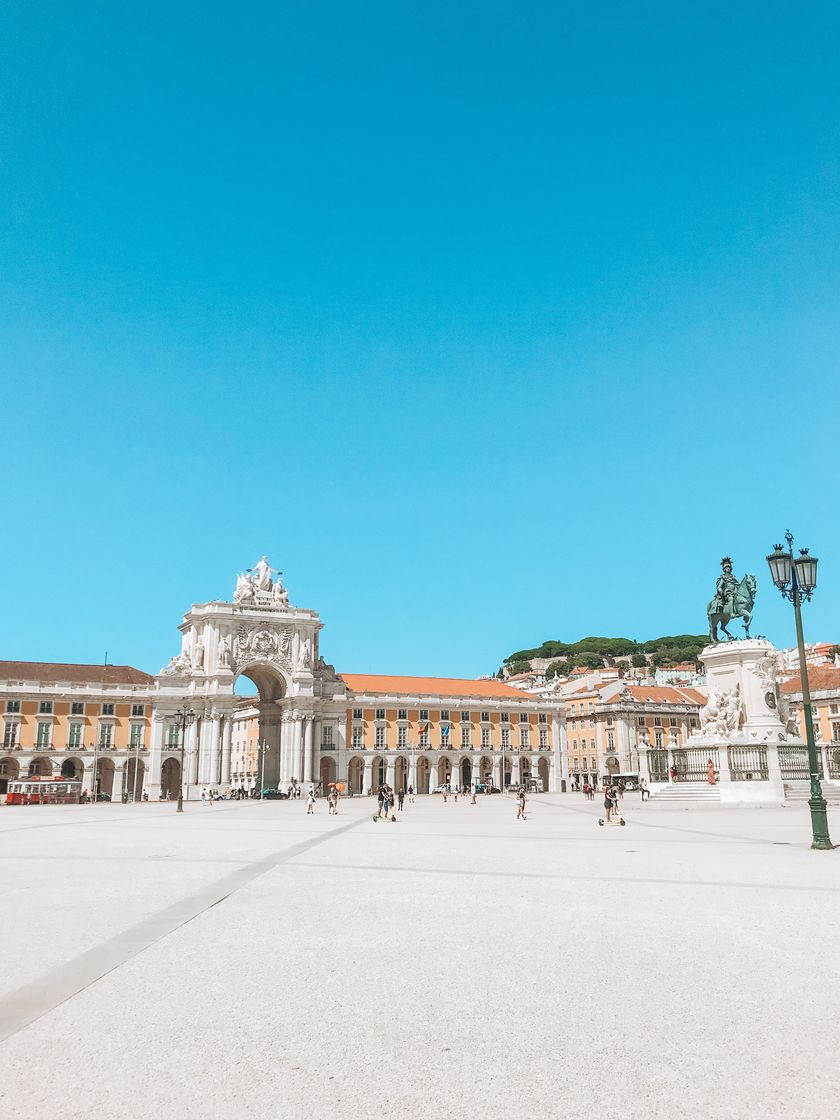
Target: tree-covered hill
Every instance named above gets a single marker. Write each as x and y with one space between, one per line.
594 652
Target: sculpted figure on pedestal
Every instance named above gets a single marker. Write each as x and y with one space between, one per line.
732 600
223 656
304 654
244 589
281 595
177 665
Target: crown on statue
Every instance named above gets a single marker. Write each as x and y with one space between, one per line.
726 560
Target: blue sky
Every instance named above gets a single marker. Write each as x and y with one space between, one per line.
489 323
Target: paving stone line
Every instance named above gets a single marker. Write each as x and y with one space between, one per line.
27 1004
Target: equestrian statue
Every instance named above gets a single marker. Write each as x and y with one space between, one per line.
732 600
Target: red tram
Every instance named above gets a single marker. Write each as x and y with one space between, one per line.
44 791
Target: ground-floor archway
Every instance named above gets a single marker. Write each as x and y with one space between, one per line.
9 772
401 774
379 770
612 764
524 769
466 772
544 772
135 773
170 779
103 778
486 769
327 772
422 775
444 771
355 775
508 770
72 769
40 768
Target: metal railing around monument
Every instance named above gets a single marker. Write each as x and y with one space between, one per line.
658 765
692 763
834 761
748 764
794 764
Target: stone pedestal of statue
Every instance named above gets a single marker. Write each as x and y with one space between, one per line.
744 720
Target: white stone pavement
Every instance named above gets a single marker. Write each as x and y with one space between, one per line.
246 960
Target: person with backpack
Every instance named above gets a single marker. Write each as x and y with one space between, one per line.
520 806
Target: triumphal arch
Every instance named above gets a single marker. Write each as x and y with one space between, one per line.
301 703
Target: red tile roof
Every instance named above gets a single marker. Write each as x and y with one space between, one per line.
431 686
821 678
50 672
661 694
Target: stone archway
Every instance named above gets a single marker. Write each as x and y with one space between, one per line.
327 772
422 775
272 685
72 769
40 768
355 776
444 771
170 779
466 772
135 772
612 764
486 769
9 772
401 773
103 778
379 772
544 771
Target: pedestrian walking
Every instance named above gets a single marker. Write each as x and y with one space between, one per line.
645 792
310 801
204 795
332 800
400 799
520 806
411 795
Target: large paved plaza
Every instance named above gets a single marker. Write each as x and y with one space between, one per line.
250 960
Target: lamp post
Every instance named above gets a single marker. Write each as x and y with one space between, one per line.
263 748
185 717
796 579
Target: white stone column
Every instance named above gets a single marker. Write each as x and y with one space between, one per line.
497 770
367 783
514 770
226 741
153 763
285 772
214 750
192 760
297 747
117 784
434 776
390 773
308 768
412 770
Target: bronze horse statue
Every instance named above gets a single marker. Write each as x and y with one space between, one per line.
742 605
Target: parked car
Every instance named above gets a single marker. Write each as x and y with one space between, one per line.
441 789
103 797
275 795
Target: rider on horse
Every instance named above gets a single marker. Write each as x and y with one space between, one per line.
725 589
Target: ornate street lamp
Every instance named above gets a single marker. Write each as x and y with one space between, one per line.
796 579
186 717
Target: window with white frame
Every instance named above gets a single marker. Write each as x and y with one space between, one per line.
74 736
485 717
610 741
542 718
402 737
525 738
506 737
485 736
543 738
505 717
592 744
10 733
640 720
77 708
464 717
106 735
523 717
658 739
835 732
327 741
45 708
43 734
356 740
135 735
444 713
574 744
465 734
380 713
424 737
357 713
380 738
657 721
402 713
12 706
138 709
107 709
172 733
672 722
424 713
